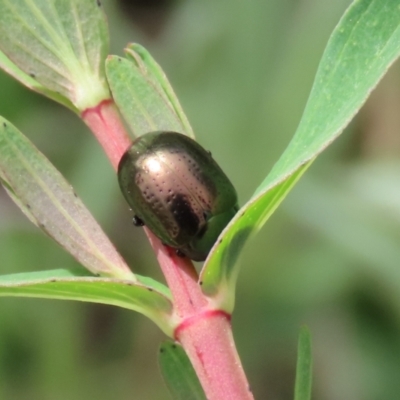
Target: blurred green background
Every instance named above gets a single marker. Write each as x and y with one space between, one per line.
329 257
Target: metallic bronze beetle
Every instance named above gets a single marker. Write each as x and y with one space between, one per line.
178 191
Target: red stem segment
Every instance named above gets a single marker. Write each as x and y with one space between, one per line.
181 278
105 122
204 333
211 349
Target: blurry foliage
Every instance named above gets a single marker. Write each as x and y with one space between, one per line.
328 258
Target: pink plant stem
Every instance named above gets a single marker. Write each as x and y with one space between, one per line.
205 333
105 122
181 278
210 346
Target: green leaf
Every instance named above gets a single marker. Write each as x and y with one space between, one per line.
156 76
8 66
218 277
178 372
50 202
302 390
143 94
361 49
73 285
60 44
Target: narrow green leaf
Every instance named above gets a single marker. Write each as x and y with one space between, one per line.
72 285
361 49
26 277
8 66
302 390
143 94
60 44
153 284
156 76
50 202
219 274
178 372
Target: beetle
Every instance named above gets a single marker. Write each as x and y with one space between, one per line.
178 191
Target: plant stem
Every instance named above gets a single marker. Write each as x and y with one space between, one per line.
209 343
205 333
181 278
105 122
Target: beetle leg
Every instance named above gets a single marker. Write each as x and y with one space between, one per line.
206 215
137 221
179 253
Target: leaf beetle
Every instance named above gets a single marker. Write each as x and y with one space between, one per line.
178 191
